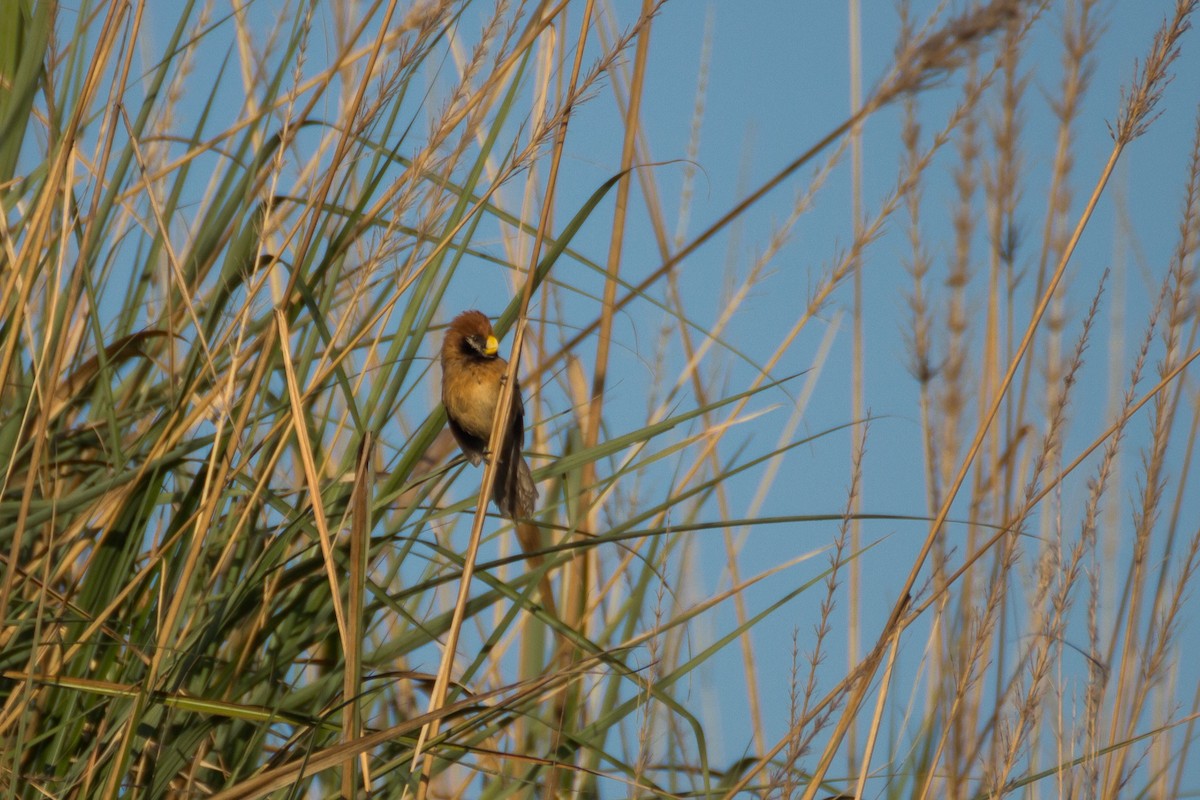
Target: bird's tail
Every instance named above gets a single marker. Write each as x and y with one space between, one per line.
514 492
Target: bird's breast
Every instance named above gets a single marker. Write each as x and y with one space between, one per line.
472 402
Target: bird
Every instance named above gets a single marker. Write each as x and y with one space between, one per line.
473 375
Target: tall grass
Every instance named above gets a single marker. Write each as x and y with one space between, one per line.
241 558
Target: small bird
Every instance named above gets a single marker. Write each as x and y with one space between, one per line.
472 378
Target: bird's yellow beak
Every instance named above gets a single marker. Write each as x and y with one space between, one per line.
491 346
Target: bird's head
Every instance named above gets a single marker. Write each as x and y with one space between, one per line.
471 332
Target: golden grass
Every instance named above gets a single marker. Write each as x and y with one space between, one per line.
234 552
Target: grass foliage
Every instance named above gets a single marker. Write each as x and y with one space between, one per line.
240 557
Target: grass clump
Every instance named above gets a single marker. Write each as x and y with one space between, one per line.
239 557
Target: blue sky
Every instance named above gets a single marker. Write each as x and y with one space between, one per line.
778 82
